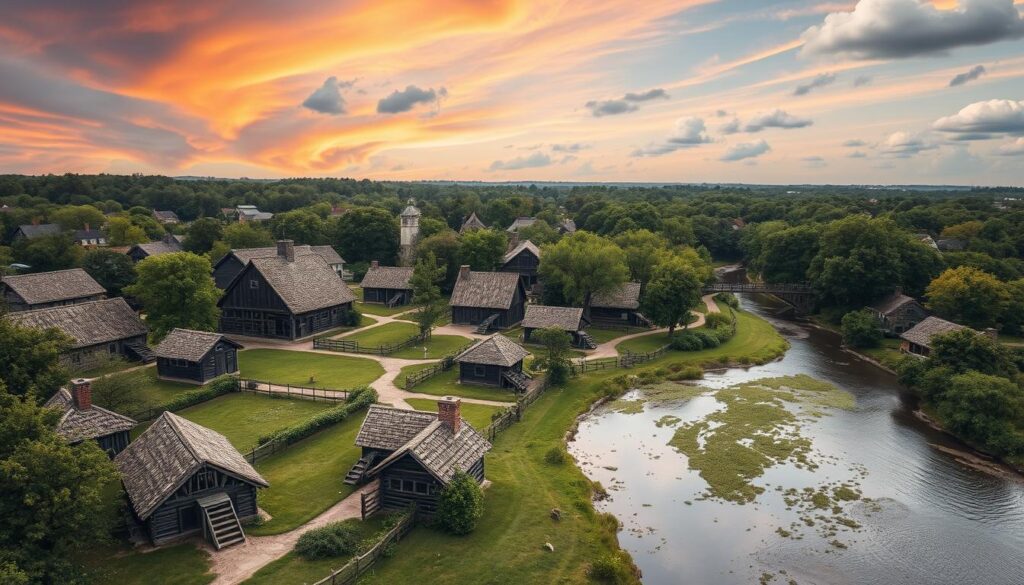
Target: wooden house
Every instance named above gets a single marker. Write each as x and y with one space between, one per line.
98 329
917 340
897 313
521 222
169 244
495 361
472 223
488 299
285 296
387 285
89 237
524 260
228 267
183 479
416 454
30 231
568 319
195 356
26 292
81 420
166 217
620 308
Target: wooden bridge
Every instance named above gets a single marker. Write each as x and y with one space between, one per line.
800 296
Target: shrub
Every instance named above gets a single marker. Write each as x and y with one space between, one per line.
687 341
716 320
860 329
332 540
461 504
687 373
351 318
707 338
729 299
555 456
608 568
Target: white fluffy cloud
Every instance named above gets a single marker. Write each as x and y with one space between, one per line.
776 119
886 29
535 160
745 150
689 132
1012 149
982 120
904 145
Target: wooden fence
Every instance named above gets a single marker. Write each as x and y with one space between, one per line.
292 391
444 365
513 414
362 563
350 346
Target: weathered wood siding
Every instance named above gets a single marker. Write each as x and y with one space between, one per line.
486 375
180 516
16 303
618 317
226 271
114 443
221 359
383 295
84 358
526 264
508 317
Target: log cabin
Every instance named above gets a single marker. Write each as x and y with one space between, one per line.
568 319
192 356
618 308
183 479
494 361
232 263
387 285
488 299
524 260
27 292
81 420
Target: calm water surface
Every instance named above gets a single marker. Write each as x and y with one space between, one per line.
933 520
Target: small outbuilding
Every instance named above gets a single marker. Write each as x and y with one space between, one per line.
89 237
521 222
524 260
195 356
169 244
897 313
488 299
416 454
183 479
81 420
619 308
495 361
918 340
568 319
388 285
26 292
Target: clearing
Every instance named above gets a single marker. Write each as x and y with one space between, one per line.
282 366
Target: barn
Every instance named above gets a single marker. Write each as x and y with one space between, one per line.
387 285
568 319
41 290
488 299
195 356
524 260
81 420
183 479
918 339
494 361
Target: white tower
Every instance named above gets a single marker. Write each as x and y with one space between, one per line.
410 232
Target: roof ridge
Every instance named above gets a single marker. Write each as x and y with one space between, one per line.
171 418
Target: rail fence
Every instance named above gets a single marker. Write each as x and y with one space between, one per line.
350 346
514 414
362 563
443 365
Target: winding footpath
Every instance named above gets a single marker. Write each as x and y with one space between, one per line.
610 348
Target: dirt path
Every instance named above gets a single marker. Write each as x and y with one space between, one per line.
237 563
609 348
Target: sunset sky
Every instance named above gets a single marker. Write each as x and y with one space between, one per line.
766 91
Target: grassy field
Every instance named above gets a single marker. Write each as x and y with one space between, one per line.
478 415
437 346
305 479
295 367
243 417
384 334
183 564
644 343
444 384
888 353
364 321
149 390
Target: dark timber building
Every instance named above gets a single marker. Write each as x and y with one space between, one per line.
98 329
472 223
897 313
918 339
166 245
387 285
195 356
488 299
82 421
620 307
524 260
31 231
228 267
416 454
27 292
285 296
495 361
568 319
182 479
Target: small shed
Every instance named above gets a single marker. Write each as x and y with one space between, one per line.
387 285
195 356
183 479
567 226
918 339
897 313
416 454
81 420
524 260
620 307
26 292
169 244
488 299
495 361
568 319
472 223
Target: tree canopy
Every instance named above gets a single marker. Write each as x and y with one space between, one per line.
582 265
111 269
482 249
176 290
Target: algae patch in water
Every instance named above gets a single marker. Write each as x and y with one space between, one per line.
660 392
667 421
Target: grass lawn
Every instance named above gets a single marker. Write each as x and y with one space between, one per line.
385 334
444 384
644 343
293 569
478 415
149 390
888 353
1011 339
305 479
243 417
364 321
183 564
437 346
295 367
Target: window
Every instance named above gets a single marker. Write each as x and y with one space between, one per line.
479 371
253 283
112 348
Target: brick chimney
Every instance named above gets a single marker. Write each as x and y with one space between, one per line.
464 272
374 264
81 393
286 250
449 412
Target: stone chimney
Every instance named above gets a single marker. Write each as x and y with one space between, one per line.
81 393
464 272
513 240
991 333
374 264
449 412
286 250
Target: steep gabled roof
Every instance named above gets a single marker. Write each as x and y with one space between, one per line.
492 290
169 452
51 287
244 255
165 246
79 425
393 277
625 297
541 316
472 223
389 428
526 245
37 230
90 234
305 284
496 350
188 344
891 303
88 323
521 222
922 333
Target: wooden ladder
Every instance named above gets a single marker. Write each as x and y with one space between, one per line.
221 523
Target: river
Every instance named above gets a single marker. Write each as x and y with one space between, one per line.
925 518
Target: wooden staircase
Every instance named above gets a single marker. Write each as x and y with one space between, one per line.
142 351
394 300
355 475
519 380
640 317
586 341
220 523
485 325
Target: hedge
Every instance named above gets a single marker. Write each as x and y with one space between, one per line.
358 399
218 387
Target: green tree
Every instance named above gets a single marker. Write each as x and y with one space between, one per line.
46 253
367 233
202 234
302 226
445 248
117 393
51 494
122 232
111 269
555 359
461 504
678 231
965 350
176 290
29 359
643 249
968 296
430 226
860 329
584 264
76 217
1013 310
247 235
426 294
986 410
539 233
786 255
673 292
482 249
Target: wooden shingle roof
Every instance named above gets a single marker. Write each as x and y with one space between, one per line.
91 423
472 223
496 350
188 344
393 277
492 290
164 246
51 287
169 452
625 297
326 252
541 316
521 222
165 215
922 333
305 284
37 230
390 428
88 323
525 245
891 303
